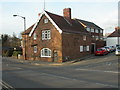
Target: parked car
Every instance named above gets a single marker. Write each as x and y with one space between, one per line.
109 49
112 48
117 52
101 51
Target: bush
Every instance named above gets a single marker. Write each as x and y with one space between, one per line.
7 53
15 53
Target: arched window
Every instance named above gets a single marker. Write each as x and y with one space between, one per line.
45 52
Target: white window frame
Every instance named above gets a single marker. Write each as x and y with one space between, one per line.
81 48
43 52
96 31
101 31
35 49
46 34
34 36
45 20
92 30
88 48
88 29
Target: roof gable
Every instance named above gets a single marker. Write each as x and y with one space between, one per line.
116 33
46 14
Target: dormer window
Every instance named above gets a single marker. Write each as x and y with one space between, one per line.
88 29
96 30
45 20
92 30
34 36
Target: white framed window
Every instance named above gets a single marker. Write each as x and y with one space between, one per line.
88 48
45 52
45 20
81 48
46 34
92 30
34 36
84 38
35 49
96 31
88 29
101 31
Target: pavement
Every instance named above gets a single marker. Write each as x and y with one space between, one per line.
42 63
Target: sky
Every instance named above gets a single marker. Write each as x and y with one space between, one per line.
104 13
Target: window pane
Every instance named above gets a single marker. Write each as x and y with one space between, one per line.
45 20
35 36
46 35
87 48
35 49
81 48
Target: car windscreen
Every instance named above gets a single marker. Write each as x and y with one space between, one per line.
99 49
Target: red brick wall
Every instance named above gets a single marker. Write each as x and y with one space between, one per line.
54 43
71 45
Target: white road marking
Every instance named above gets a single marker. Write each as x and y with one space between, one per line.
91 70
6 85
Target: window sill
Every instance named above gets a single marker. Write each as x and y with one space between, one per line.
46 56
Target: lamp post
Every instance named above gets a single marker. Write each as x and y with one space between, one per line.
24 30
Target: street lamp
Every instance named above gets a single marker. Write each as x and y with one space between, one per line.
24 30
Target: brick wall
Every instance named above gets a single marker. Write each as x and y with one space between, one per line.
71 46
54 44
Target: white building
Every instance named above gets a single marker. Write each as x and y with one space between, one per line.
114 38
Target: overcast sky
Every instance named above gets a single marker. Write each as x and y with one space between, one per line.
104 13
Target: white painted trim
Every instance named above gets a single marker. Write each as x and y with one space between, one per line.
44 13
46 56
48 50
60 31
36 24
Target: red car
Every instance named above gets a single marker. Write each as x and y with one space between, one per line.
101 51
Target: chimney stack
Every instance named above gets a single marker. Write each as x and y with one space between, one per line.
67 13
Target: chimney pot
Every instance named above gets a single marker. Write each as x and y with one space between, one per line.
39 14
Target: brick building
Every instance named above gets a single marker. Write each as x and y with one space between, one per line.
56 38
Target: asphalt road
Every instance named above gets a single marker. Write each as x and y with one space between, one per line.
94 72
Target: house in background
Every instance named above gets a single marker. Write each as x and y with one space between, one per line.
96 32
56 38
114 38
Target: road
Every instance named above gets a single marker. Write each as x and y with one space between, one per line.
95 72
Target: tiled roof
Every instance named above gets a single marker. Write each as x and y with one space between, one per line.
67 25
89 24
116 33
